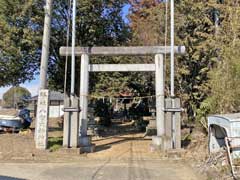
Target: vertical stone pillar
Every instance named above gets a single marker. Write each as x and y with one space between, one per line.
158 142
84 139
161 141
84 94
160 81
41 134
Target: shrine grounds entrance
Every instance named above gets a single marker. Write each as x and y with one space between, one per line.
76 108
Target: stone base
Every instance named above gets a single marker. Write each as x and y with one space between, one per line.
161 143
151 131
85 141
175 153
70 150
85 144
152 123
87 149
84 149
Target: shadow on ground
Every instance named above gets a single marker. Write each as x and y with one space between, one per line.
9 178
119 140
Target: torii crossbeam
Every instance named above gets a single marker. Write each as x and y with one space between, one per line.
121 51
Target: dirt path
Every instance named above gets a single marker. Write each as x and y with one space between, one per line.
125 157
134 146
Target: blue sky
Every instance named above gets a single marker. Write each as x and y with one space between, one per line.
125 12
33 86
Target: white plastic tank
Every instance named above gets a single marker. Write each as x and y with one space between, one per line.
221 126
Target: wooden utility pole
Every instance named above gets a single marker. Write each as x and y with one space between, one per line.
45 44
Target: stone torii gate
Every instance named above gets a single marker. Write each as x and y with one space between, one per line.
75 123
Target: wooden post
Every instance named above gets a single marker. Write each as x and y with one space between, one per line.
178 124
168 118
66 124
74 138
71 124
84 95
173 130
160 94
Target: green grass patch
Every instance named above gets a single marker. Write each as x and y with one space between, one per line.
55 143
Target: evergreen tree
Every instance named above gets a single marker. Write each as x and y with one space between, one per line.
195 30
14 96
225 76
99 23
20 39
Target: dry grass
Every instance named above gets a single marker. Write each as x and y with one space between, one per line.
9 112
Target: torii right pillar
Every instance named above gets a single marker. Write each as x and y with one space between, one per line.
166 130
